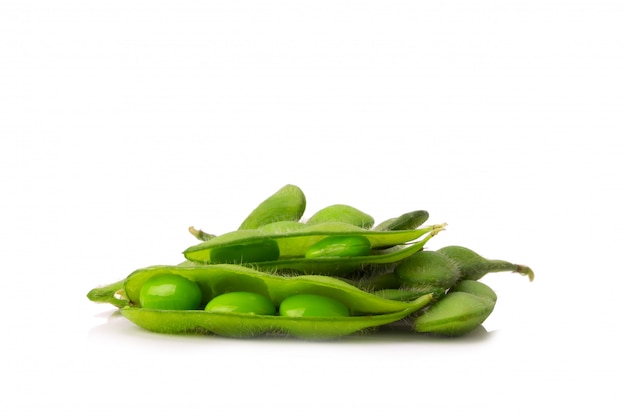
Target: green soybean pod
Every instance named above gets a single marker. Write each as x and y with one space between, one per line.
367 310
342 213
288 203
456 314
293 242
406 221
473 266
339 246
477 288
428 268
282 227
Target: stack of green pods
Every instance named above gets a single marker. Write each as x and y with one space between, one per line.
335 274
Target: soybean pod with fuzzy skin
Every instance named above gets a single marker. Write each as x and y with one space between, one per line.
428 268
286 204
271 250
474 266
460 311
406 221
342 213
367 310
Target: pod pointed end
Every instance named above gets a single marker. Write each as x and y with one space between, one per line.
525 270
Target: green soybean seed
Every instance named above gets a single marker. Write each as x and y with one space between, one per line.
343 214
170 292
288 203
312 305
457 313
259 251
473 266
428 268
339 246
241 302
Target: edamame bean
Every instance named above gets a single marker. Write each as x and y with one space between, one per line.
474 267
170 292
339 246
241 302
312 305
261 251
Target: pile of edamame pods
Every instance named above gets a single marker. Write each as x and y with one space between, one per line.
335 274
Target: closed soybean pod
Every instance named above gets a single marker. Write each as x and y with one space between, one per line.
288 203
344 214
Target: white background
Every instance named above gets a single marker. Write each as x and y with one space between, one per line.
122 123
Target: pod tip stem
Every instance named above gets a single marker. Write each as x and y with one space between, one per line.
438 228
200 234
524 270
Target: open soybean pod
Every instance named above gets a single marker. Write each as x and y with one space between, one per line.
288 250
367 310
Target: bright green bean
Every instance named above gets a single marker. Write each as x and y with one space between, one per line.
312 305
339 246
244 302
256 251
170 292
